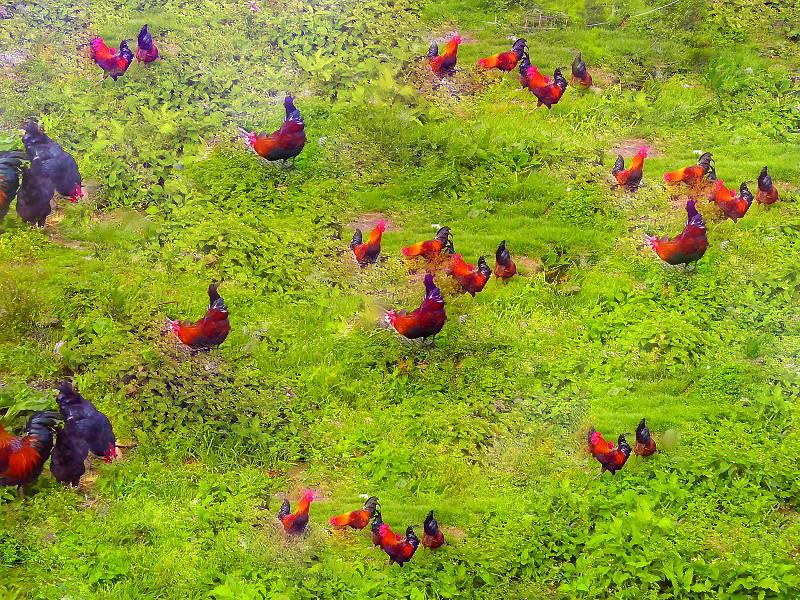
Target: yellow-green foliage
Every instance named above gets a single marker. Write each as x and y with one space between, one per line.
488 427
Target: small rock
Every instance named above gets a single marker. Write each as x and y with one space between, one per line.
724 244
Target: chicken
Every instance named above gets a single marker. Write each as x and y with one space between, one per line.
433 537
82 419
694 175
283 144
10 167
49 160
632 176
67 461
430 249
733 205
580 73
471 278
688 246
113 62
146 50
367 253
504 267
610 458
645 444
505 61
357 519
400 550
424 322
209 331
444 63
548 92
297 521
377 523
767 194
35 194
22 458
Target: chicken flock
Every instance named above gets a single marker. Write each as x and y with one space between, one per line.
78 430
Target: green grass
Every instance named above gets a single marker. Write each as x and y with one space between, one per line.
488 427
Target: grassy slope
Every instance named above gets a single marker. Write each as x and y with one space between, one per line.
487 427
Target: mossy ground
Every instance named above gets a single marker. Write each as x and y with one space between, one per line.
488 427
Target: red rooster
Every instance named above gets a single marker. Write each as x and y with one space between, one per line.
733 205
548 92
694 175
209 331
113 62
473 279
444 63
146 51
368 252
645 444
429 249
424 322
767 194
22 459
610 458
10 165
357 519
688 246
297 521
433 537
505 61
400 550
285 143
504 267
580 73
632 176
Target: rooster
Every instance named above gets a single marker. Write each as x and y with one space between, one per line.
610 458
22 458
399 549
632 176
767 194
283 144
368 252
433 537
505 61
113 62
504 267
10 167
82 419
424 322
548 92
580 73
733 205
357 519
50 161
444 63
645 444
297 521
209 331
688 246
471 278
694 175
377 524
430 249
146 50
67 461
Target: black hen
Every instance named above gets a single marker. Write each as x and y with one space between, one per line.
67 462
10 165
86 421
49 160
35 194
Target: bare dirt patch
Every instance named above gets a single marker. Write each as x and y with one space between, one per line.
628 148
